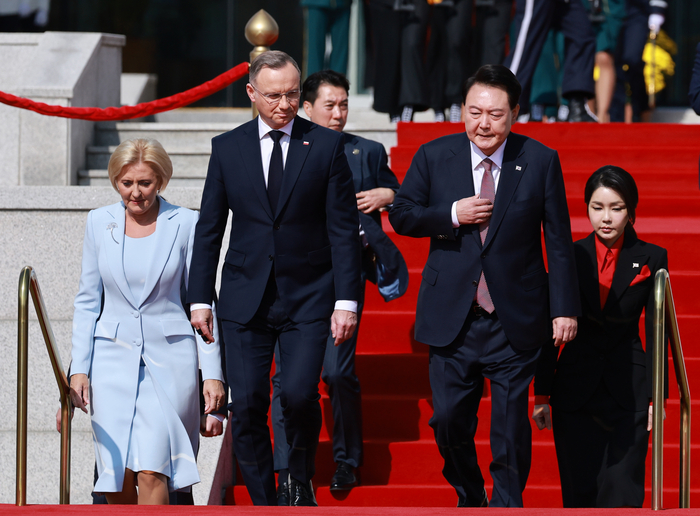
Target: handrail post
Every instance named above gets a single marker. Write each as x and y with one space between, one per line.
657 431
664 307
22 373
28 284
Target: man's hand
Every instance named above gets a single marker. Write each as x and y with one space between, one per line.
80 391
542 417
564 330
375 199
343 323
209 426
472 210
203 323
214 395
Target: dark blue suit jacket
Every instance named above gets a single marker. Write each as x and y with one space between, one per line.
694 90
312 240
369 164
530 197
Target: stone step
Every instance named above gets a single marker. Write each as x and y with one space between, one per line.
188 162
173 136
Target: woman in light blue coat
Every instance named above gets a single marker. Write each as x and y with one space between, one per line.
135 357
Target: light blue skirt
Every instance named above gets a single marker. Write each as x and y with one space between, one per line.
149 441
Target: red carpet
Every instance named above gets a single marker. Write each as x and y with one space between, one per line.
215 510
402 465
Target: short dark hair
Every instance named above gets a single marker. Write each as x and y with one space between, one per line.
616 179
497 76
273 59
314 81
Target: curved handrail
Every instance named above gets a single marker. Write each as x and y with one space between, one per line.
28 284
665 307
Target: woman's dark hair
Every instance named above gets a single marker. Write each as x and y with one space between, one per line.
616 179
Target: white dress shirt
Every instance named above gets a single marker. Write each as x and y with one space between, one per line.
477 158
266 146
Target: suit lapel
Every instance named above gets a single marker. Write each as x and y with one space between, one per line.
511 173
459 166
629 264
589 282
167 228
354 155
299 146
251 158
113 244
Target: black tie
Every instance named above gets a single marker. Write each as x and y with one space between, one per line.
274 174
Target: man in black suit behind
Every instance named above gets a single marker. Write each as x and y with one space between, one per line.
325 95
486 303
291 272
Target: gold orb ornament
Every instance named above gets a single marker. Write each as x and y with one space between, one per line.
261 31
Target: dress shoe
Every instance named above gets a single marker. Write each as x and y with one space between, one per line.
283 490
301 494
579 111
484 502
344 478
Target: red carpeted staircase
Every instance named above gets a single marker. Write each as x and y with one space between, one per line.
402 465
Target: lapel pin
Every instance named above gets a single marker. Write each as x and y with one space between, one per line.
111 226
635 265
517 167
356 151
306 143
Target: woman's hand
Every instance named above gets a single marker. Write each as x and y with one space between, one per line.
650 418
214 395
79 391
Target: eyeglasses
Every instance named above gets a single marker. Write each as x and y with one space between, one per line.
274 98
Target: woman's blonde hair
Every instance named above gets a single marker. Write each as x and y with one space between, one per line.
141 150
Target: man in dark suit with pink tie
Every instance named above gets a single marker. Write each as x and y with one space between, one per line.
487 304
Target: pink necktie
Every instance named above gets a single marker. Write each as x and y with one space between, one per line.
488 191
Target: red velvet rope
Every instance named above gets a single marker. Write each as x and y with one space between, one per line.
126 112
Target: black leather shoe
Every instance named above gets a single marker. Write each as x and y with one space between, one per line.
579 111
301 494
344 478
484 502
283 491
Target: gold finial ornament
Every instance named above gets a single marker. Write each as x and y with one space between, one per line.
261 31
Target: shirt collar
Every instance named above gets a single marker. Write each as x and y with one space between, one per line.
601 250
496 157
263 128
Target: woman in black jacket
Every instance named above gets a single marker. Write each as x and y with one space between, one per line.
600 386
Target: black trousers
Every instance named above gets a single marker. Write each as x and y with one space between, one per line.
346 400
448 53
457 372
601 451
398 39
533 19
249 354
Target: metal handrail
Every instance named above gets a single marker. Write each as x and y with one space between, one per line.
28 283
663 307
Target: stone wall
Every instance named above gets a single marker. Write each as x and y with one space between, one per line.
61 68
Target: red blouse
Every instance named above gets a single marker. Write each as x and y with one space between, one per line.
607 262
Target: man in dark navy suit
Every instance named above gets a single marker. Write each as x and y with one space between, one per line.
325 96
487 304
291 272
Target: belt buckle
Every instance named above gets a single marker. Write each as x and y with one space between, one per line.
478 310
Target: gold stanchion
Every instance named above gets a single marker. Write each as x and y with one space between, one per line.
652 80
261 31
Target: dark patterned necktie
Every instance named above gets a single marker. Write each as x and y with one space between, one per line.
274 174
